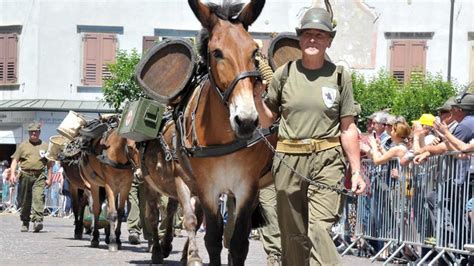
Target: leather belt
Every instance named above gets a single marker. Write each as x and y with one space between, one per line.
32 172
302 146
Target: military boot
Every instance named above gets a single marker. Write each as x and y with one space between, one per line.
24 227
37 227
134 238
273 260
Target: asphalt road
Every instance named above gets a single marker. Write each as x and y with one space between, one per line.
55 246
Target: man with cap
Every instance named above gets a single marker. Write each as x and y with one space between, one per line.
445 116
315 107
30 155
462 112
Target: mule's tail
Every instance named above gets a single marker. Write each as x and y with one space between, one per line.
259 219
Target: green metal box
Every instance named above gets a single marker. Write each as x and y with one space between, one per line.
141 120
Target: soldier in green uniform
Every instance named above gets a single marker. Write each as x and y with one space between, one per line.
270 233
136 213
30 155
314 101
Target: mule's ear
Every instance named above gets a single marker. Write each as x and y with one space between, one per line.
202 13
251 12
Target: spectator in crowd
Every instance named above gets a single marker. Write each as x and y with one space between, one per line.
423 132
444 132
445 115
370 123
8 191
463 112
56 181
378 125
387 142
400 137
30 155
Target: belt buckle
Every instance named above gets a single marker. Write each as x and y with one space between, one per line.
314 145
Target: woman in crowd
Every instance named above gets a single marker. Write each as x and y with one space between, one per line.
400 135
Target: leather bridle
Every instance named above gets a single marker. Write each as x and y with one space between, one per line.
228 91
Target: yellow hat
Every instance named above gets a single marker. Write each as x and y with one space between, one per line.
426 119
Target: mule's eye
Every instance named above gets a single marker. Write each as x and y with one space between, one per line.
217 54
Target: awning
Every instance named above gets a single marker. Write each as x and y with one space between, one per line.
10 135
55 105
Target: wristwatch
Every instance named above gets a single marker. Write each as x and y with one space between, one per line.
356 173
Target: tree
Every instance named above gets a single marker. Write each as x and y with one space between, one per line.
122 86
423 94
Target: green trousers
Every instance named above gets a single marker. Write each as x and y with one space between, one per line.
136 213
32 202
306 213
176 220
270 233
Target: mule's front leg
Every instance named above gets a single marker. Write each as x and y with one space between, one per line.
76 209
96 211
112 219
213 237
190 223
151 219
239 243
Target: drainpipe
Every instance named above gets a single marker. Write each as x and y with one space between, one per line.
450 49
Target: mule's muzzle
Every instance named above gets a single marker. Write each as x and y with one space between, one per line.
245 127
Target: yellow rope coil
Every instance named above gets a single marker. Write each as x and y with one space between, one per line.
264 68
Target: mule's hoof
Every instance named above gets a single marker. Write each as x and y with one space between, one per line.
150 246
78 236
195 262
113 247
166 250
157 258
94 244
107 240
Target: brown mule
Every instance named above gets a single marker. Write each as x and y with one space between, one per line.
79 190
218 117
165 177
109 166
213 137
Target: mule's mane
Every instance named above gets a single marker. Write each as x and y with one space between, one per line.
228 11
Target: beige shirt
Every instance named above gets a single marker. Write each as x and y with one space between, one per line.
311 103
31 156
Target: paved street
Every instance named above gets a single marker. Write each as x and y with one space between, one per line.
55 246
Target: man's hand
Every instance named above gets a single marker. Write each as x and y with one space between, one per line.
13 178
421 158
358 183
418 130
441 128
259 89
48 183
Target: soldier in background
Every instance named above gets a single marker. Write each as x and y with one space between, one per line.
30 155
136 212
270 233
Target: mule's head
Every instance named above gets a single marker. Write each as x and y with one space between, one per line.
229 51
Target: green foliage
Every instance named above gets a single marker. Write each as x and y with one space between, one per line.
423 94
122 86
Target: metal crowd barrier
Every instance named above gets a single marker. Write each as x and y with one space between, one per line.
412 207
8 199
54 201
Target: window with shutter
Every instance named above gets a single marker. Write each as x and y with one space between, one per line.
108 54
8 58
407 57
148 42
99 51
